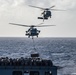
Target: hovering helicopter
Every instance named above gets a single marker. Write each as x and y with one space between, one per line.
46 12
32 31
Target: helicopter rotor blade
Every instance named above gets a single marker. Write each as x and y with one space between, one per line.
57 10
45 25
37 7
19 24
40 23
47 8
52 6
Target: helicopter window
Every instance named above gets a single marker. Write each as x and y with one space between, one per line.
17 73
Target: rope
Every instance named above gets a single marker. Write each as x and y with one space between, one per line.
34 44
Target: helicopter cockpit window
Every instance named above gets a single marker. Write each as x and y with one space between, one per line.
17 73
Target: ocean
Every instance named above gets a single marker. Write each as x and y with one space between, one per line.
62 51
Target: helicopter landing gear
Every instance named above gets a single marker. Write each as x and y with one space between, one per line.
32 37
28 36
50 16
37 36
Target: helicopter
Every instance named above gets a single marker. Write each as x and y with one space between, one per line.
32 31
46 12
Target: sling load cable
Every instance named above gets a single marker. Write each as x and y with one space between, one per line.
34 44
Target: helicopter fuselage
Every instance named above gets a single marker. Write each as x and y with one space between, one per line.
32 32
45 15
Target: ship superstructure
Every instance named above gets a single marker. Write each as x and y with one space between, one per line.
33 65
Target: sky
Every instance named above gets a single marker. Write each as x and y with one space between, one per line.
18 11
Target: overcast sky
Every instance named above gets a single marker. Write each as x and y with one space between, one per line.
18 11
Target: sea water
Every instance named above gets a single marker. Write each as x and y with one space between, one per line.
62 51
